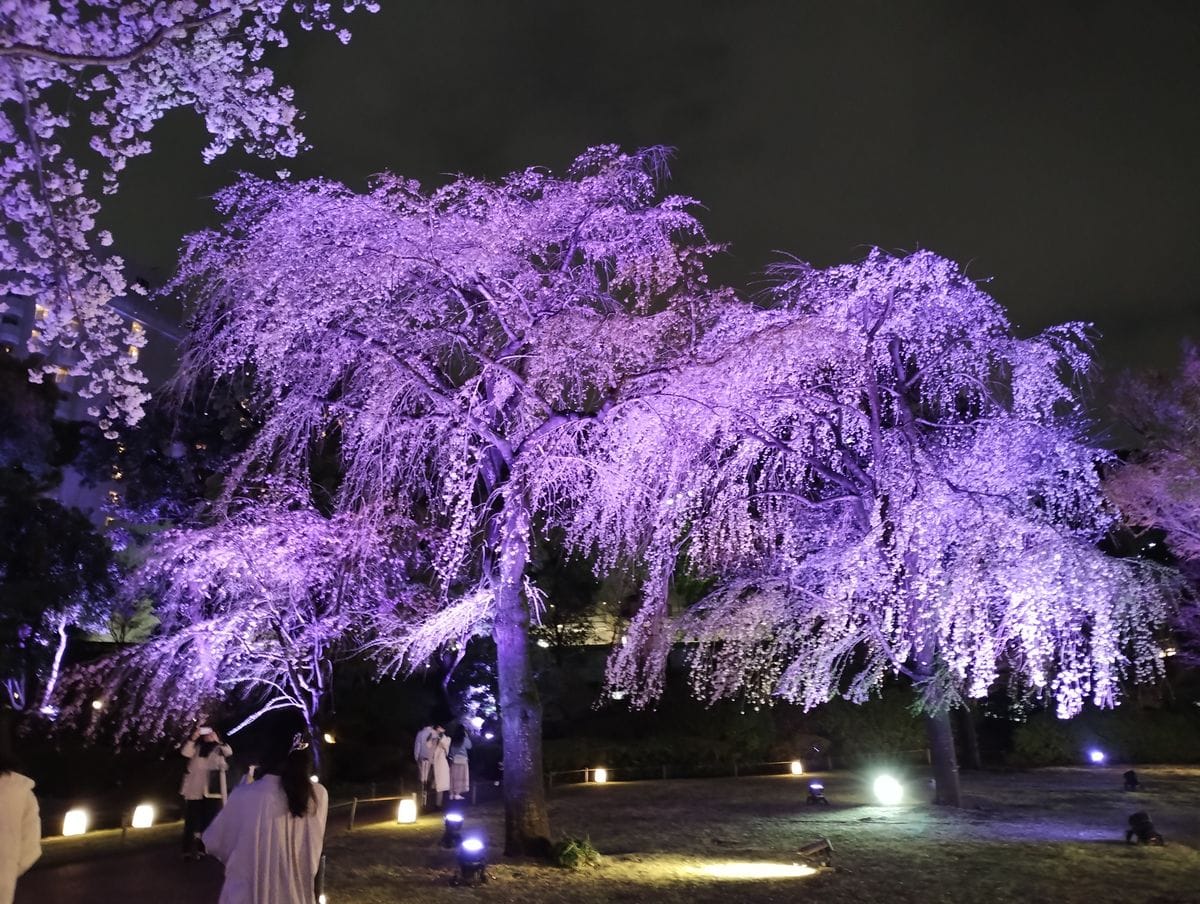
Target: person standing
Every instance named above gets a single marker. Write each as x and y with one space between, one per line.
271 833
421 753
204 785
20 827
460 764
438 746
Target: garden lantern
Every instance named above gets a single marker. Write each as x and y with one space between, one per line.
407 811
1096 756
888 791
75 822
472 860
599 776
143 816
797 767
816 793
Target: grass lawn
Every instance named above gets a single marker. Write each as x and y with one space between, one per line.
1048 836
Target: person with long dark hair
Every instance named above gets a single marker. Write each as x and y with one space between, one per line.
20 826
271 833
204 787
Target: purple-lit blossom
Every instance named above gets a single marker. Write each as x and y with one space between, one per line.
101 73
884 479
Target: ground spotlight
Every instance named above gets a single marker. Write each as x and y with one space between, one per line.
452 833
143 816
75 822
797 767
819 852
816 793
888 791
1096 756
472 860
1142 829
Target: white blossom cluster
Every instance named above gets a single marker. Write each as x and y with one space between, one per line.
82 83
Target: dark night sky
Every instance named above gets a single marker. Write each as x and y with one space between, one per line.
1054 147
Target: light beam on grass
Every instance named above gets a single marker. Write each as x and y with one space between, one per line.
753 870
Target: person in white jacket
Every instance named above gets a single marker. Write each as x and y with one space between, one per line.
204 787
271 833
20 827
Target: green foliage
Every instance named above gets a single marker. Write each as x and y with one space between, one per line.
575 853
1126 734
882 727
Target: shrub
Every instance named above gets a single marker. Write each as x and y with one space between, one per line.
575 853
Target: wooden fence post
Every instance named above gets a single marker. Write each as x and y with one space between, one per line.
353 813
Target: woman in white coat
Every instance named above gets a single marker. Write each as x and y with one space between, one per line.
271 833
439 764
20 827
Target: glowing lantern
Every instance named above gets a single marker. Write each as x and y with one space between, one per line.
797 767
143 816
472 860
97 705
599 776
1096 756
75 822
888 791
329 738
452 831
407 811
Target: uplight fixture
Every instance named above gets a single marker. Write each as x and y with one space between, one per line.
888 791
816 793
452 832
472 860
1096 757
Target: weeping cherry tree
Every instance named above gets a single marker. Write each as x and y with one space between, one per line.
883 479
449 349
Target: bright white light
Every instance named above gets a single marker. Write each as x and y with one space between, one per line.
313 779
143 816
1096 756
888 791
97 705
599 776
75 822
472 845
815 786
543 643
618 695
329 738
797 767
321 899
477 722
487 736
454 817
407 811
754 870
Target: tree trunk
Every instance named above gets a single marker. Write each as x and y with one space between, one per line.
945 762
970 738
526 822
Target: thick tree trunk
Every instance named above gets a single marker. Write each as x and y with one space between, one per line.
970 738
940 734
526 822
944 760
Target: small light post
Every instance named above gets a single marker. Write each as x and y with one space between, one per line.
75 822
816 794
797 767
599 775
407 811
143 816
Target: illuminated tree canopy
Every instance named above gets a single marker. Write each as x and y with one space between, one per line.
257 610
449 349
99 74
884 479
